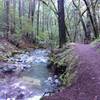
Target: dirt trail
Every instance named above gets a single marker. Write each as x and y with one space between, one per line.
87 86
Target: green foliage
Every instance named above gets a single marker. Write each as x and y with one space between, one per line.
1 6
42 37
67 78
27 25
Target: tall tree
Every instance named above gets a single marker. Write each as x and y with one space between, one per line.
31 10
38 17
88 26
93 4
61 23
12 16
21 12
43 18
7 6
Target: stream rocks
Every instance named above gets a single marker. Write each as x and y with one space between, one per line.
8 68
22 76
14 89
52 83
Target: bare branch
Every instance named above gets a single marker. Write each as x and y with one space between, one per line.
54 5
49 6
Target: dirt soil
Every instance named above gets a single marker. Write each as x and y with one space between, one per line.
6 46
87 85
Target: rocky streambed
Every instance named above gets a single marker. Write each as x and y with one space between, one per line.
26 77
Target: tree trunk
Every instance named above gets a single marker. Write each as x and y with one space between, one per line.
94 15
31 10
43 19
20 12
61 23
14 5
88 27
12 17
38 17
7 4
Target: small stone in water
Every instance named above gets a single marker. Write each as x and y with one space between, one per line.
23 87
50 79
56 81
20 96
55 76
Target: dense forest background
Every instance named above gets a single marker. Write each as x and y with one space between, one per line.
50 21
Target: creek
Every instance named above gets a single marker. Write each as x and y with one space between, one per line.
28 80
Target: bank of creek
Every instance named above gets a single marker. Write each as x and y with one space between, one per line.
25 76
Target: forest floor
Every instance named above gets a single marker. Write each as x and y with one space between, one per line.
87 85
6 49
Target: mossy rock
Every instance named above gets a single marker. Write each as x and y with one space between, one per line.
3 58
13 53
65 57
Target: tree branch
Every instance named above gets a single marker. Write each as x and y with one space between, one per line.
54 6
49 6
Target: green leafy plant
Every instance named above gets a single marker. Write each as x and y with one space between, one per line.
42 36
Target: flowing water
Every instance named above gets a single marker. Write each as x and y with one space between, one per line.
28 83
